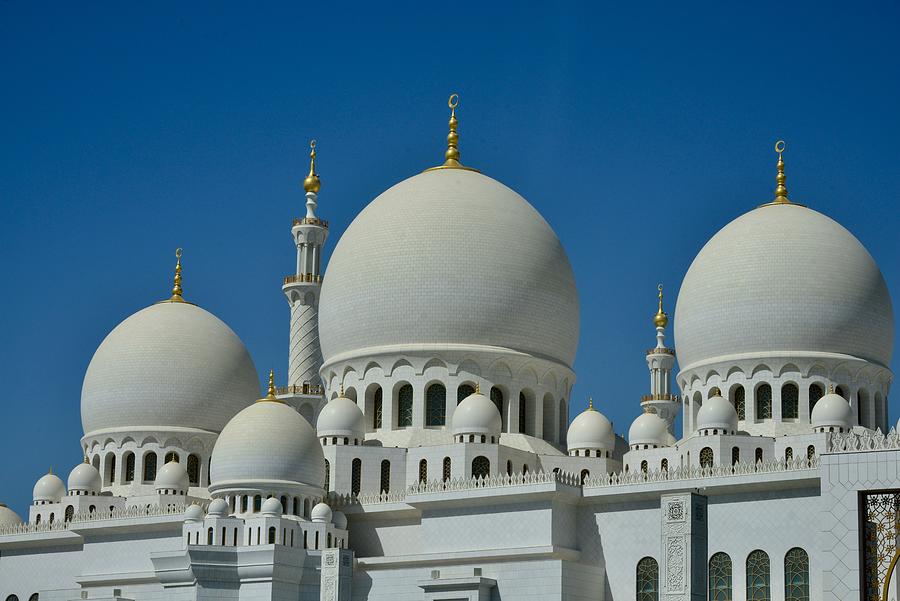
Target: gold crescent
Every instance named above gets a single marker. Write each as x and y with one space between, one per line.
453 102
177 253
312 143
779 146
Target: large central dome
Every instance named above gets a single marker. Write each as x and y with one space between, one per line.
447 259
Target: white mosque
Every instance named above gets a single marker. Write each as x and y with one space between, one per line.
422 448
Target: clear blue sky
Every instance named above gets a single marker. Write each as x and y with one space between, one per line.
637 134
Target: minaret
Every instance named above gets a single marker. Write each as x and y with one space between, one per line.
302 291
660 361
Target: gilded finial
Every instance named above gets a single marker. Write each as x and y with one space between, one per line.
50 471
451 155
660 320
270 393
477 388
831 389
715 391
176 288
590 403
780 178
341 393
86 459
312 182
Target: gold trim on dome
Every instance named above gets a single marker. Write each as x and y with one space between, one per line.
312 183
451 156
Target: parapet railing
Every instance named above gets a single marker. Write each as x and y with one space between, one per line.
302 278
97 516
310 221
853 442
661 350
305 388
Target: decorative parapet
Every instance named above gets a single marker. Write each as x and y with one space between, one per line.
310 221
302 278
700 473
456 484
853 442
661 350
660 397
125 513
305 388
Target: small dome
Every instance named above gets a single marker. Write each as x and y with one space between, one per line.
85 478
218 508
341 417
267 447
172 476
49 488
321 513
477 414
591 430
272 506
832 410
339 520
8 517
194 513
717 413
649 429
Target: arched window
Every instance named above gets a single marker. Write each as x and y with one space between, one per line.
52 517
272 535
758 576
257 507
70 513
647 578
790 401
739 398
377 409
664 465
405 406
111 468
209 536
764 402
356 476
244 504
463 391
129 467
644 466
523 414
789 454
816 392
385 476
497 397
92 509
481 467
423 471
234 536
327 475
796 575
149 467
524 468
284 505
706 457
810 453
735 455
171 456
34 597
758 455
37 519
328 541
563 420
445 475
584 475
839 390
508 467
306 508
12 598
435 405
193 469
720 577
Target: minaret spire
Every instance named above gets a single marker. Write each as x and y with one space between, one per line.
661 361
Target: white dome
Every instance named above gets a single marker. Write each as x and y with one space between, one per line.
84 477
49 488
321 513
272 506
477 414
449 259
832 410
8 517
340 520
172 476
218 508
649 429
193 513
267 446
169 365
591 430
717 413
783 279
341 417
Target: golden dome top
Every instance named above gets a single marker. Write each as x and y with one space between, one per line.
270 394
177 292
451 156
660 320
312 182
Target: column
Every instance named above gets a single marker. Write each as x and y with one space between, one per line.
683 551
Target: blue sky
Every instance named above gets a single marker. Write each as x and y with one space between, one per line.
636 133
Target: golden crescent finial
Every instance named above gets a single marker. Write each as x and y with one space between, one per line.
312 183
781 196
451 155
660 320
270 393
453 101
177 293
779 146
590 403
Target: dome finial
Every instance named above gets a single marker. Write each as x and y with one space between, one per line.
590 403
660 320
270 393
176 288
312 182
477 388
451 156
831 389
780 178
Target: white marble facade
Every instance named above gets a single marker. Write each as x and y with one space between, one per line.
436 458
